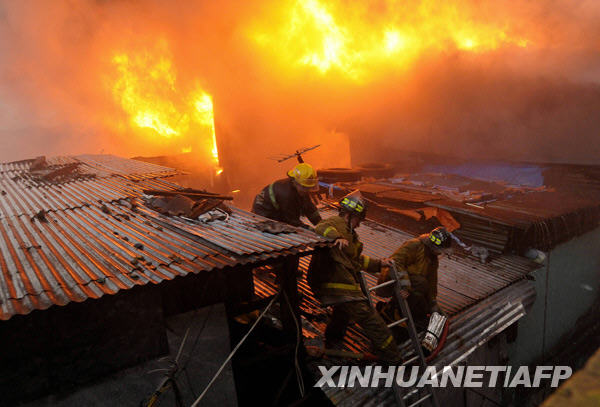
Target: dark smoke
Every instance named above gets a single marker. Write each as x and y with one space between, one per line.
536 104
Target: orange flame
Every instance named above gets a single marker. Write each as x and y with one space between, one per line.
346 37
145 88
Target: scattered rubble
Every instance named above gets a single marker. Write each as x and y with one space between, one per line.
61 172
481 253
41 170
39 163
177 205
212 216
273 227
41 216
188 203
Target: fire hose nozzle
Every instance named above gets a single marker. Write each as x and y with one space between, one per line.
434 331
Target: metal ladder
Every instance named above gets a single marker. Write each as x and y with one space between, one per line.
401 398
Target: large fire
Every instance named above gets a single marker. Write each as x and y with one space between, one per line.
159 111
463 77
357 38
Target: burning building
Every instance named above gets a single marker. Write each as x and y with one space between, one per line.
530 228
93 262
512 81
89 272
478 116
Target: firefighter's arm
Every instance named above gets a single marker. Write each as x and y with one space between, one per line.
314 217
401 258
370 265
327 230
310 210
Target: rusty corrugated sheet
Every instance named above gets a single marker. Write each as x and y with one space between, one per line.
462 281
70 241
394 193
25 197
501 216
481 299
470 329
101 165
133 169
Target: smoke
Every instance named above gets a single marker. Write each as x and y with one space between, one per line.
535 103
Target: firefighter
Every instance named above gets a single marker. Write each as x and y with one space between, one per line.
334 279
417 265
287 199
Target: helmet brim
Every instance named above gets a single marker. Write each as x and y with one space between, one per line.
308 188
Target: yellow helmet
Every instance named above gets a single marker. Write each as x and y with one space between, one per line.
305 175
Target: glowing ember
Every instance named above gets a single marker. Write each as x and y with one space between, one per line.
146 90
346 37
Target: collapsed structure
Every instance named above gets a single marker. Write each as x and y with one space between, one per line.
92 264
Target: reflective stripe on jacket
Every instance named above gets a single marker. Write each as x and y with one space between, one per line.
415 258
342 280
281 201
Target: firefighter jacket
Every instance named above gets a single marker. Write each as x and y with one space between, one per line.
338 279
282 202
414 258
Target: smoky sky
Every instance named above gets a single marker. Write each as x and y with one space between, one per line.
540 103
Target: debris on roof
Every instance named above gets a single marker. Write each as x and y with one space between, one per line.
505 207
189 203
482 300
274 227
81 239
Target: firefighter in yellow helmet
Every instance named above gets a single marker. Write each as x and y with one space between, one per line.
287 199
417 265
334 279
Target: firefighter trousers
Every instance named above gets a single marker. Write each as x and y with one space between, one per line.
419 301
369 320
420 298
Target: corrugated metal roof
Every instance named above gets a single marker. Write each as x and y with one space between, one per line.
25 197
461 280
506 217
101 165
70 241
468 330
392 193
132 169
481 299
495 215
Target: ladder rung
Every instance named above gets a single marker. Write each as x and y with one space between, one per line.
398 322
410 360
410 393
375 287
422 399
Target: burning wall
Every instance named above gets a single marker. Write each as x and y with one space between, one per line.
515 80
